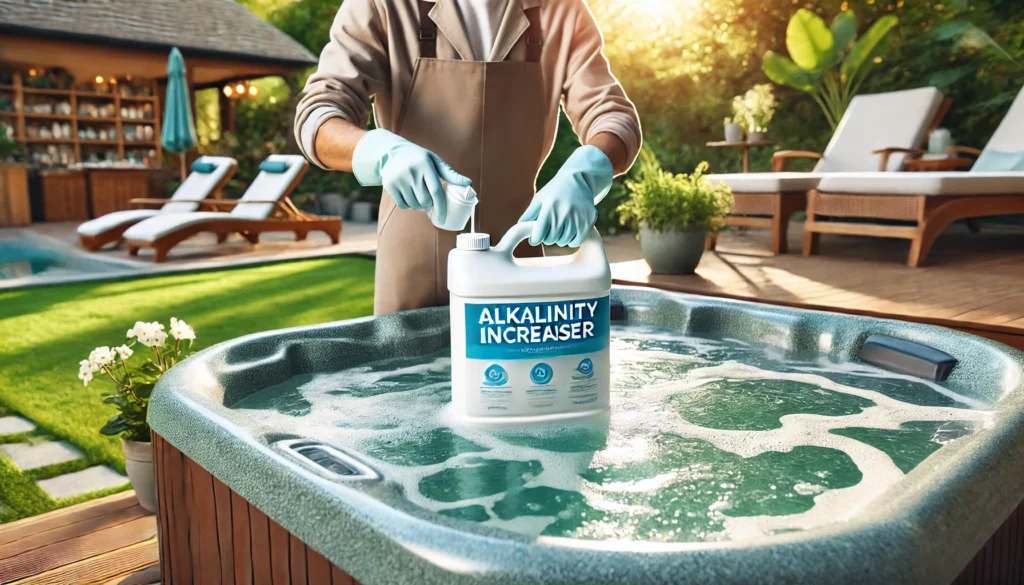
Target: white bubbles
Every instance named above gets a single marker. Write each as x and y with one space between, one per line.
403 400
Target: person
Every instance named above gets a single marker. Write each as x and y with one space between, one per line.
465 92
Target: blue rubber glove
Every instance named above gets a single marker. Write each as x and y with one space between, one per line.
566 208
411 174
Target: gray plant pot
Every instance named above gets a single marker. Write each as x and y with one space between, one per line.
363 211
733 132
334 204
756 137
674 251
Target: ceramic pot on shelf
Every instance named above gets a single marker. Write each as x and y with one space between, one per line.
138 462
756 137
673 251
733 132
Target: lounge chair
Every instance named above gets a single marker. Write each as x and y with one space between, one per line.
926 201
899 119
209 174
264 207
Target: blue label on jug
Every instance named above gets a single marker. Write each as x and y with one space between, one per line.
497 331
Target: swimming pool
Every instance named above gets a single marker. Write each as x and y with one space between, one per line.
29 257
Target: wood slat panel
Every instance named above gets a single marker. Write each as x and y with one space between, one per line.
318 568
83 528
999 562
63 553
232 541
240 538
206 513
280 551
101 568
65 516
225 533
146 576
259 531
297 558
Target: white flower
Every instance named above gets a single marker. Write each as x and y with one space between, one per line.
85 371
148 334
181 331
124 352
101 356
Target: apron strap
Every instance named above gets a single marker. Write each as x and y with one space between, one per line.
428 31
534 35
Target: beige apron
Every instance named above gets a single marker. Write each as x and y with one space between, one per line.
486 119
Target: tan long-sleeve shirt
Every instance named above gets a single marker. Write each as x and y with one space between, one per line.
374 46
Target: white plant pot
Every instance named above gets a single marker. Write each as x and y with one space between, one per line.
733 132
754 137
138 461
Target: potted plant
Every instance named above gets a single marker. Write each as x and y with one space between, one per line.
133 384
755 110
674 213
733 131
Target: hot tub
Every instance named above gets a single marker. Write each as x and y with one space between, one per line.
746 444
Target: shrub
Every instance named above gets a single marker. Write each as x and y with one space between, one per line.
663 201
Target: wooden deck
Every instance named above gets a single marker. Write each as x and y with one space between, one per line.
972 282
107 541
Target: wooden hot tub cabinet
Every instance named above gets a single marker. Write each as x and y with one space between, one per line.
209 535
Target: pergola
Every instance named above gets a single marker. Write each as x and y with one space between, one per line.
222 41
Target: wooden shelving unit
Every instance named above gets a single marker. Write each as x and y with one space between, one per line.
22 120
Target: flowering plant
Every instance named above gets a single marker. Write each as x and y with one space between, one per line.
134 381
756 108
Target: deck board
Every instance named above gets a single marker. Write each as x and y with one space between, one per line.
971 282
106 541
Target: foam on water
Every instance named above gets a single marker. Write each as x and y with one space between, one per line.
707 440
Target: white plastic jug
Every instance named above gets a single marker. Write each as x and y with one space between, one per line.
530 336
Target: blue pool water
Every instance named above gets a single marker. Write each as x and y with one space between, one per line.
23 258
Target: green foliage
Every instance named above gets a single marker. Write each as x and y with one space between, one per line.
307 21
9 149
820 63
663 201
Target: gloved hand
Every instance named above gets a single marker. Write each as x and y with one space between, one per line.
566 208
411 174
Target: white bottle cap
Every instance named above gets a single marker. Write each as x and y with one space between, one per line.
473 241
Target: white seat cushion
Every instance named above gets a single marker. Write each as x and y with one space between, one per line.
767 182
162 224
95 227
198 186
269 187
935 183
872 121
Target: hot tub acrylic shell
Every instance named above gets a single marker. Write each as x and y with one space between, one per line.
924 529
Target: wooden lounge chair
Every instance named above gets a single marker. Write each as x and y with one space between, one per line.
925 202
209 175
894 119
265 207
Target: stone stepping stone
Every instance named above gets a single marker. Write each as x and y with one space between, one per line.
33 455
99 477
10 425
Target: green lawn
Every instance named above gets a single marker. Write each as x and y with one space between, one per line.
44 332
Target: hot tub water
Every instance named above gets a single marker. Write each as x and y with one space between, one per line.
708 439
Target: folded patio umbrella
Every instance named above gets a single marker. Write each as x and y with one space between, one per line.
179 129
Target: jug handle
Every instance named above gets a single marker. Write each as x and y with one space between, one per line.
522 231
